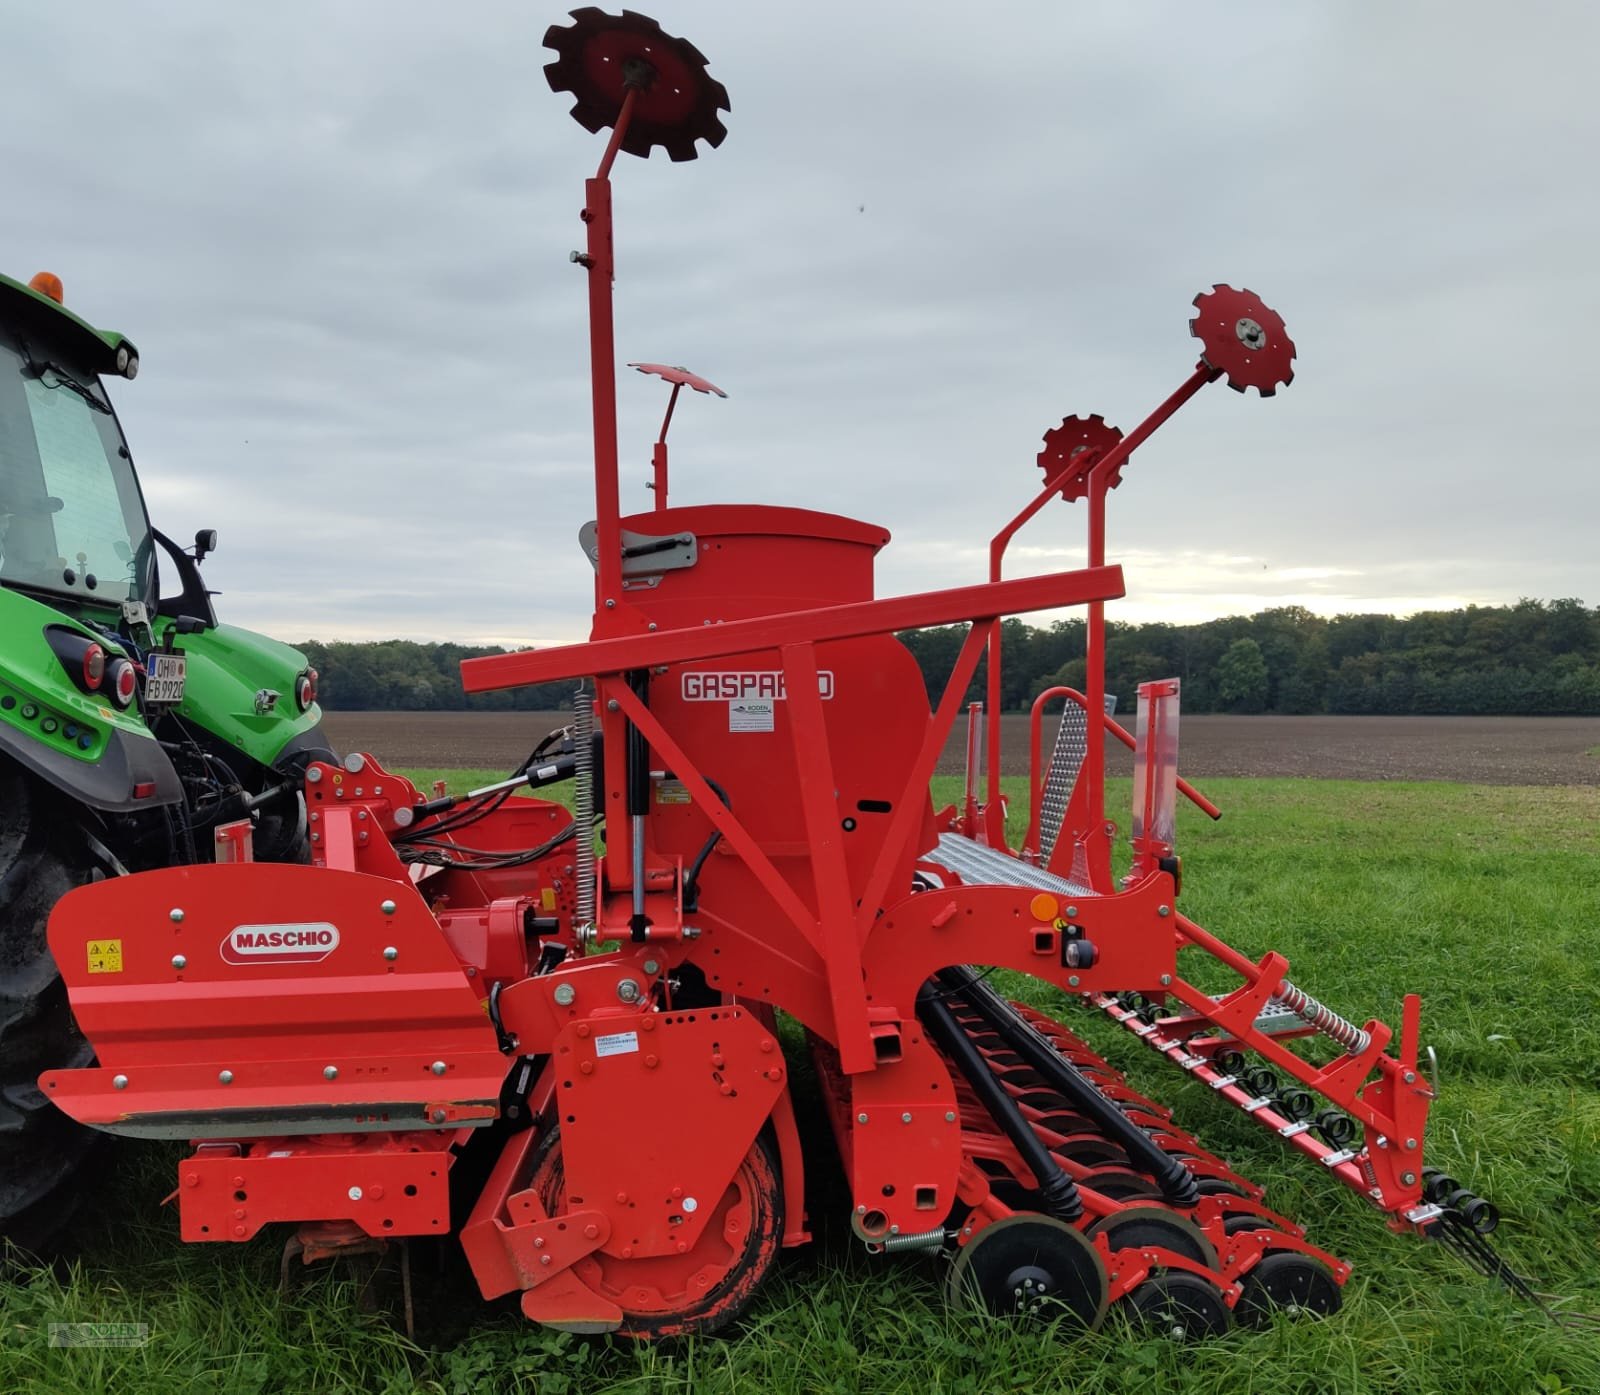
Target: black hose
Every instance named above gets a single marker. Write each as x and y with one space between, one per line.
1057 1191
691 878
1177 1183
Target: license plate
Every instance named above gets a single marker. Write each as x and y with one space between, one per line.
165 682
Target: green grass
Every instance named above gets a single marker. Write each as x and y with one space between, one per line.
1485 900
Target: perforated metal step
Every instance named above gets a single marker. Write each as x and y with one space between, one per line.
1066 760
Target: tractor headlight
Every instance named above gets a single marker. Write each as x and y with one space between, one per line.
123 356
131 368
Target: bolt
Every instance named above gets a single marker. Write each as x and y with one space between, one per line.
612 705
438 1068
652 624
1411 1143
1166 979
691 1204
766 1043
330 1072
314 775
376 1193
191 1179
538 1242
239 1231
362 816
691 932
622 1198
1072 981
179 962
1163 911
587 1067
387 908
651 1062
225 1077
591 1232
119 1082
949 1116
628 990
610 604
1410 1077
354 1193
544 1259
390 953
1409 1178
582 1029
1071 911
651 966
175 915
564 994
1250 334
860 1118
438 1116
905 1118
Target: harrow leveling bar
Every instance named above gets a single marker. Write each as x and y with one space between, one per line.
466 975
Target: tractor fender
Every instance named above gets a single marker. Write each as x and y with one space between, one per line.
107 784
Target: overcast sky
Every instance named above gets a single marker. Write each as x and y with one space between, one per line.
339 235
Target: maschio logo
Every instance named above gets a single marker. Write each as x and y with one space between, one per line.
732 685
280 944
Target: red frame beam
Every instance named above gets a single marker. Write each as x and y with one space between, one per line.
1054 591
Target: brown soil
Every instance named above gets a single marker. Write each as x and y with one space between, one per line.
1475 750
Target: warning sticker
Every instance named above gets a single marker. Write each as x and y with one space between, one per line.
750 714
672 792
616 1043
105 956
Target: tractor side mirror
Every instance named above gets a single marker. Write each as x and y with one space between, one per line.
205 541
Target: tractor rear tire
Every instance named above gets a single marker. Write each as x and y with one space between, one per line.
41 859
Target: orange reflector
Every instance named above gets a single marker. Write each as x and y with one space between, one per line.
1044 906
48 283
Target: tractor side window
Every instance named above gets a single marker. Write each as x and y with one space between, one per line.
69 504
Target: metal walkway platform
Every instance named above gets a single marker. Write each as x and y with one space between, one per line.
978 865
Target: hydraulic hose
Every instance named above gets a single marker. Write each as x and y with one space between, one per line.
1058 1192
1177 1183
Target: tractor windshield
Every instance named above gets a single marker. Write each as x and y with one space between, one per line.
72 520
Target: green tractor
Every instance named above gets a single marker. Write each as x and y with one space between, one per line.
132 724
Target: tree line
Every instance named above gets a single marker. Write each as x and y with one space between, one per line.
1534 657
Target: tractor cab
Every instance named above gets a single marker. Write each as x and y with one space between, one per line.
74 531
73 526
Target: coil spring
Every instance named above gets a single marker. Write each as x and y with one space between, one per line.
583 803
1323 1018
918 1240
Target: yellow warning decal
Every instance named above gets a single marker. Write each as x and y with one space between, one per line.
549 897
105 956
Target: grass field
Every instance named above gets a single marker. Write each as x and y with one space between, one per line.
1485 900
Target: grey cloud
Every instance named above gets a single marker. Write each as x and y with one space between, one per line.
339 235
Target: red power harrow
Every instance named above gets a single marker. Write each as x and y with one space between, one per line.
460 974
